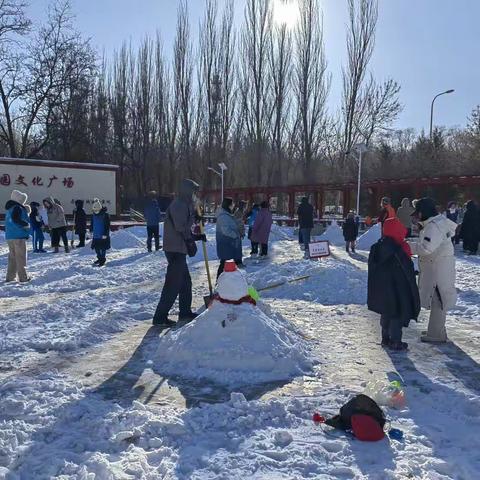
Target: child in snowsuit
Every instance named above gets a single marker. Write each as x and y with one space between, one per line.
350 232
392 286
80 218
100 228
36 225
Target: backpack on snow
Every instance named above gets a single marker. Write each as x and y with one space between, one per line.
362 416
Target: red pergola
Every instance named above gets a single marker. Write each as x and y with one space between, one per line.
376 189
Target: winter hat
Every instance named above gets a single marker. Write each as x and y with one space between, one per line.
79 203
34 204
97 205
426 208
227 203
19 197
386 201
394 229
230 266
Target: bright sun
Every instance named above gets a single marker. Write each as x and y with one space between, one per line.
286 12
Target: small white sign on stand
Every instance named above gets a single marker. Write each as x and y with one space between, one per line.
319 249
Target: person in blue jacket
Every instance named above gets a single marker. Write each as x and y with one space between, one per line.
228 235
251 217
100 228
36 226
17 231
152 217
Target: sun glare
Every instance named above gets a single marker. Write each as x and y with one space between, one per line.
286 12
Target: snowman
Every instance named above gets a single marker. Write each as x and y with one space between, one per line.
232 289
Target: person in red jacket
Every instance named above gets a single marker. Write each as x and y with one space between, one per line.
392 287
387 210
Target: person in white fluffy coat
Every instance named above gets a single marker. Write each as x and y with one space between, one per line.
437 267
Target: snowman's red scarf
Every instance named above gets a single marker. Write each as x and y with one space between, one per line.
245 299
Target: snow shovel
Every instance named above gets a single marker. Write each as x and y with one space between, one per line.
284 282
207 299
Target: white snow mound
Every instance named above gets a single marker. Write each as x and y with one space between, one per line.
334 234
126 238
370 237
254 346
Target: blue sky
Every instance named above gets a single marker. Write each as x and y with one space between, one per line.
428 46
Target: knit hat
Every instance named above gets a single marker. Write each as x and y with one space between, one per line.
97 205
19 197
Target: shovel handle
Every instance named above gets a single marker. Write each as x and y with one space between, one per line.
205 254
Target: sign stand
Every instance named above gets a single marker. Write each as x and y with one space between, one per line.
319 249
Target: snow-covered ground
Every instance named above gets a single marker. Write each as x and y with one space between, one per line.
83 393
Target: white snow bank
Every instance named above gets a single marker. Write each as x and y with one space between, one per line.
370 237
334 234
127 238
235 345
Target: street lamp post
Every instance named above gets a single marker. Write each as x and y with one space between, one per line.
431 109
361 148
220 173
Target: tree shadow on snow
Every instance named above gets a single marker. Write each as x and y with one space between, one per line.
446 418
83 426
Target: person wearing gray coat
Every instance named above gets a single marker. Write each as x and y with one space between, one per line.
57 223
404 214
177 233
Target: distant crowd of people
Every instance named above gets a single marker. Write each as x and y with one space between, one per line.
23 220
418 227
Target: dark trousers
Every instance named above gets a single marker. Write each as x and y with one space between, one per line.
153 232
351 245
254 250
263 249
221 267
81 238
391 328
177 284
304 237
101 253
56 234
37 239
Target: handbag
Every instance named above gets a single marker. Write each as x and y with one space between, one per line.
191 247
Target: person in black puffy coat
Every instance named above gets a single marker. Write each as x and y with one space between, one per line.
350 232
305 214
80 218
392 288
470 229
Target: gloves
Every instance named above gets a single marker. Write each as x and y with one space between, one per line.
200 237
104 237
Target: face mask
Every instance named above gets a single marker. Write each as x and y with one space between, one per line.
453 210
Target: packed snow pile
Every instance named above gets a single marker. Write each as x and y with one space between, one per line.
370 237
128 238
234 343
334 234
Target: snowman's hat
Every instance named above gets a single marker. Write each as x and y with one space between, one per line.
230 266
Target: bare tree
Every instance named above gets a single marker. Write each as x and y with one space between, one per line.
311 83
254 82
39 81
379 107
209 81
363 15
280 61
182 79
13 20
